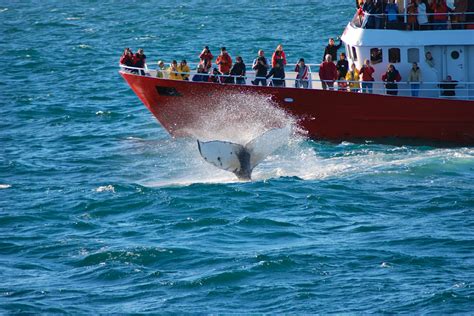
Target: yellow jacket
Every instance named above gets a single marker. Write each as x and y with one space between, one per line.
174 74
184 71
353 79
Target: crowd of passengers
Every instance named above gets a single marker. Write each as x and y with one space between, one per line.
420 14
334 74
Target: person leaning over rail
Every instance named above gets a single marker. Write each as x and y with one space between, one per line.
414 79
302 74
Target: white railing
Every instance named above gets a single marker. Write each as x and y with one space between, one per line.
381 20
463 90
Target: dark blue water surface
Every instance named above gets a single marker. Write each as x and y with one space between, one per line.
101 211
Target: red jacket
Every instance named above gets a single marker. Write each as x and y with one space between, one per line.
440 11
126 60
366 73
327 71
206 59
224 62
275 58
139 60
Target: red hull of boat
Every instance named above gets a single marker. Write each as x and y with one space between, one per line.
327 115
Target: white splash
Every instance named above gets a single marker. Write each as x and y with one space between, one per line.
5 186
106 188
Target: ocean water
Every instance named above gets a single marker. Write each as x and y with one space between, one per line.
101 211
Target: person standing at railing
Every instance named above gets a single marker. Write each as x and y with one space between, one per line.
260 65
414 79
139 60
184 70
279 56
391 77
379 13
440 18
238 70
173 72
367 79
412 21
278 74
342 68
328 73
127 58
160 70
331 49
459 18
392 15
448 87
369 19
352 78
201 74
224 62
206 58
302 74
422 18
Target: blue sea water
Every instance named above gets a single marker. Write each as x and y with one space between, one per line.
101 211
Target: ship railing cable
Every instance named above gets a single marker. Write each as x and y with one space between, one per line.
454 20
462 89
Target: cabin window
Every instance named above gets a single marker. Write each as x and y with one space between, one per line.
354 54
455 54
413 55
348 50
376 56
394 55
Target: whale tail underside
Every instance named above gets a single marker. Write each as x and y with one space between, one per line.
240 159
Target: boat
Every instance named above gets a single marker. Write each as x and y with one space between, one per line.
336 115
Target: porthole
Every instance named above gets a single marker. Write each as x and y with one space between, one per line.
454 54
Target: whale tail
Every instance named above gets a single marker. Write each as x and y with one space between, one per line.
239 159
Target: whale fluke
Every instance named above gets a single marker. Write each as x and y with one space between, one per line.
239 159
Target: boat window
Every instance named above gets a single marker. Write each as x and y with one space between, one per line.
454 54
376 55
354 54
348 50
413 55
394 55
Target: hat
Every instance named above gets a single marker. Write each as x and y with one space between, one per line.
223 48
